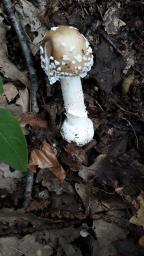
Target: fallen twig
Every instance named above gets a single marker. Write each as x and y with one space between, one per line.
33 78
21 223
26 52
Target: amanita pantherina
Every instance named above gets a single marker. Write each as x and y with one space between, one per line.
66 56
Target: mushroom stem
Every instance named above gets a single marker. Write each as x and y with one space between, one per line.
73 96
77 127
66 56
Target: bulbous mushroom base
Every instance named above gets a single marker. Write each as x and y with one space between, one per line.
79 130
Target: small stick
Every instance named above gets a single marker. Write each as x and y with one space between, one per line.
28 190
33 78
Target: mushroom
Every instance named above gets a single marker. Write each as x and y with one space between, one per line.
67 56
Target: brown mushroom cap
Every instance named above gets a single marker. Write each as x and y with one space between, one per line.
65 52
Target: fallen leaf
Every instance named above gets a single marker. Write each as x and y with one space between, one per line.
88 173
50 181
8 179
7 68
29 17
107 233
138 219
32 119
23 100
10 91
112 22
10 100
46 158
42 5
73 156
129 56
13 246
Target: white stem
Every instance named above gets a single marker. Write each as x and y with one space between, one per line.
77 127
73 96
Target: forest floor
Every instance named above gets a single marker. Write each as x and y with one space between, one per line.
86 201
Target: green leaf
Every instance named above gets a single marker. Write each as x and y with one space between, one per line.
13 146
1 85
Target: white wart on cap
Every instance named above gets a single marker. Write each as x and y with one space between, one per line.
65 52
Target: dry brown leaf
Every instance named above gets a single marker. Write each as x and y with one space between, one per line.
8 69
33 119
138 219
10 91
46 158
23 100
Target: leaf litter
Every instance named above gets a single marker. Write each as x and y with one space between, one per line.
45 158
112 22
32 25
8 69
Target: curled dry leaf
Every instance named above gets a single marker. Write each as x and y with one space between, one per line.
46 158
8 69
32 119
